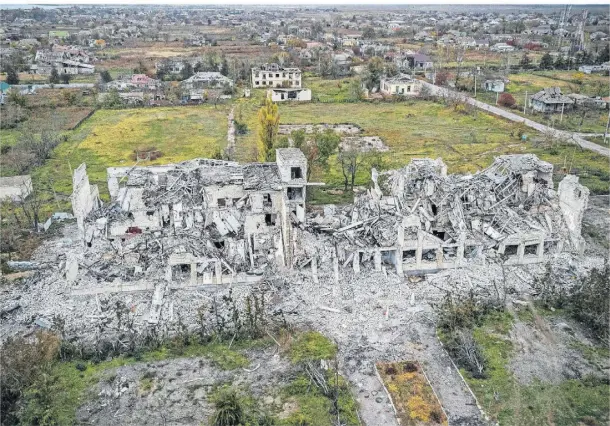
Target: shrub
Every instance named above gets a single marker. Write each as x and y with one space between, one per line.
506 100
229 409
312 346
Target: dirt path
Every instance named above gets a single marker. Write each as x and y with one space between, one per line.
570 136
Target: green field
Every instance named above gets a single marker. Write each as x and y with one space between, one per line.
571 402
466 142
109 138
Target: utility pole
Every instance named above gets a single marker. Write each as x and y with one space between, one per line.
525 102
475 83
561 118
497 96
607 127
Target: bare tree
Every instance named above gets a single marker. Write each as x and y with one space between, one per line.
350 158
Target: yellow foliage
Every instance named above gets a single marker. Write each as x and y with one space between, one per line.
418 409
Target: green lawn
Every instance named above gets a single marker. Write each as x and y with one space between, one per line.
109 137
571 402
416 129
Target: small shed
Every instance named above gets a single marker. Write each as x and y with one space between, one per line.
494 85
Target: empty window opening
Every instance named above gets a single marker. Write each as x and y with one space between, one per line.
88 243
295 173
531 249
511 250
470 252
219 244
222 202
270 219
428 255
439 234
449 253
181 271
387 257
434 209
166 222
550 247
150 213
267 200
409 256
294 193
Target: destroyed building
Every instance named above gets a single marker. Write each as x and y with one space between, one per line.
209 221
418 219
200 221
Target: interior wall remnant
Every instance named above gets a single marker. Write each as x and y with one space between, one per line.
573 200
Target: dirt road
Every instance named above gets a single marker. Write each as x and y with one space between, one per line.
570 136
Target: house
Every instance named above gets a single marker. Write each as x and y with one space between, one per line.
551 100
502 47
482 43
403 85
413 61
588 69
273 75
493 85
281 95
206 80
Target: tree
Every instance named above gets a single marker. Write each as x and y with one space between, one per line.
374 73
368 33
318 149
141 68
506 100
546 62
105 76
65 78
11 75
356 93
559 62
187 71
269 122
54 77
350 157
224 68
525 61
604 55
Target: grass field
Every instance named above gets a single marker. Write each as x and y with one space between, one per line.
467 143
570 402
109 138
530 83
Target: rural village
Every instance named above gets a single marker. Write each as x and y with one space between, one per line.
305 215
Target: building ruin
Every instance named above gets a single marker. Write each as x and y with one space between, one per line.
208 221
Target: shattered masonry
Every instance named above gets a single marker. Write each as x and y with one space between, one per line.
210 222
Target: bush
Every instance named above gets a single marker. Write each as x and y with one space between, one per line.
229 409
312 346
506 100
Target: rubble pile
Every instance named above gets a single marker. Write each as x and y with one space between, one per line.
418 218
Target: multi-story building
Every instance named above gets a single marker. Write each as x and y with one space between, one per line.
273 75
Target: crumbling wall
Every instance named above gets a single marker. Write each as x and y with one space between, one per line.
573 200
85 197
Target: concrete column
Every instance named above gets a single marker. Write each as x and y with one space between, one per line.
398 262
521 252
168 273
418 250
218 272
377 259
314 269
540 251
193 274
336 268
356 262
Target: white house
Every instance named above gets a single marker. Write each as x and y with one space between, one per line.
282 95
403 85
273 75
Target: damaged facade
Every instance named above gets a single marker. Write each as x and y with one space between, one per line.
201 221
211 222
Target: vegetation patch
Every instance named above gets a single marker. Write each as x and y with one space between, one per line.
312 346
412 395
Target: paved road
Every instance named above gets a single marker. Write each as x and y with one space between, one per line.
570 136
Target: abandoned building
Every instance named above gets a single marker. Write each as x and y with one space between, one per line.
215 221
210 222
402 85
550 100
282 95
419 219
273 75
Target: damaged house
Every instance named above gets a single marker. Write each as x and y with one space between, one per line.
198 222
